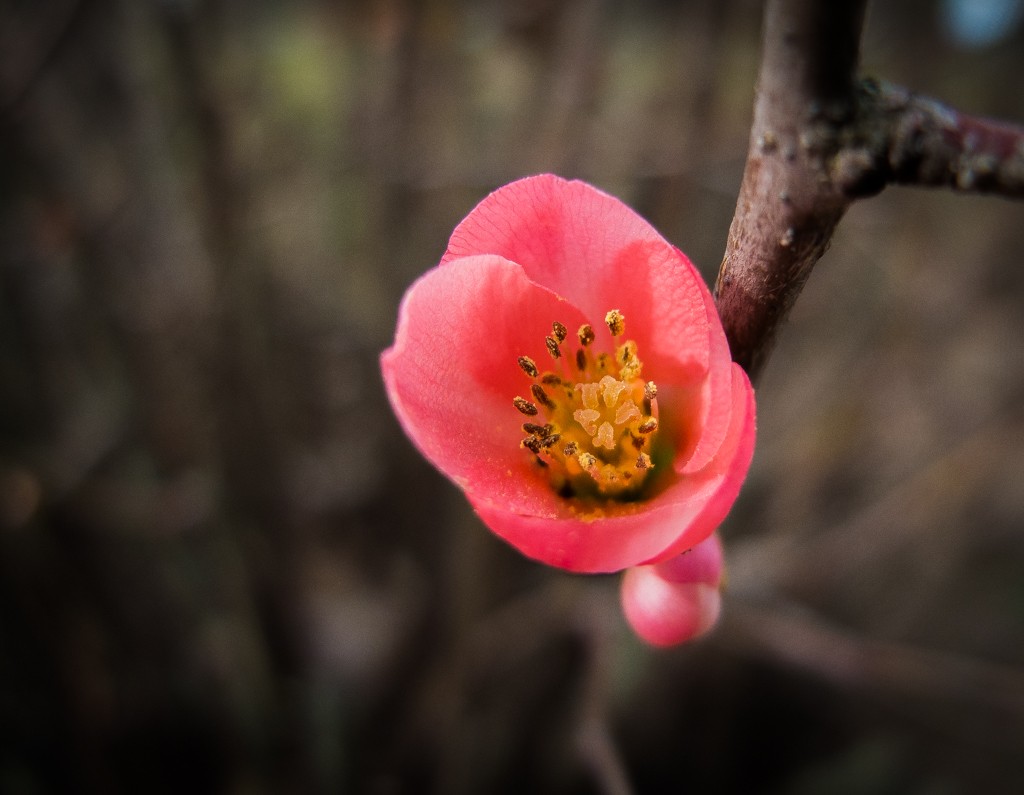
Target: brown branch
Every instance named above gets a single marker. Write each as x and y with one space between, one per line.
821 139
787 207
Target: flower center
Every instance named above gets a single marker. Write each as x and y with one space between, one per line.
599 416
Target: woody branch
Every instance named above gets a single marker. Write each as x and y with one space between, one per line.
821 138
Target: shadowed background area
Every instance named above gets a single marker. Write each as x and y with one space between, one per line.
224 569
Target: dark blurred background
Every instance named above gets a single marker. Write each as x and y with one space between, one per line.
224 569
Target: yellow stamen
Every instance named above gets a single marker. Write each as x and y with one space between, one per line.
597 433
616 322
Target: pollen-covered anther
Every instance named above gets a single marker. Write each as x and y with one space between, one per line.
643 461
616 322
650 390
559 332
649 425
570 449
586 334
524 406
552 346
626 358
528 366
541 396
533 444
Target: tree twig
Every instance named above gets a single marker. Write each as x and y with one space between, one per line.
821 138
787 207
899 137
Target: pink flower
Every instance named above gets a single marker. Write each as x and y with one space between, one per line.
565 366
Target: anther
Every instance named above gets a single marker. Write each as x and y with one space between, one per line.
537 430
586 334
553 348
649 426
550 379
644 461
559 331
616 322
533 444
528 365
581 359
549 441
629 364
541 396
650 390
571 449
524 406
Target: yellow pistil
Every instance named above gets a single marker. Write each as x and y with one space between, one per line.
593 436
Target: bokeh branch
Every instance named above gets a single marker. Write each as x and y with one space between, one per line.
820 139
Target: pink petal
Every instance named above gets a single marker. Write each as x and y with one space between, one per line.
730 465
592 249
715 411
452 373
665 613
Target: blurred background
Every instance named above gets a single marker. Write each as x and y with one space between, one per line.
224 569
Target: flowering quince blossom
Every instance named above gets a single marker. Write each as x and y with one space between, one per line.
565 366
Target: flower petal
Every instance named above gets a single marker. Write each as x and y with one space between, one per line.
591 248
452 373
715 410
729 466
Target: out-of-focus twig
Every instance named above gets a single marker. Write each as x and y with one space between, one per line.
789 632
27 53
